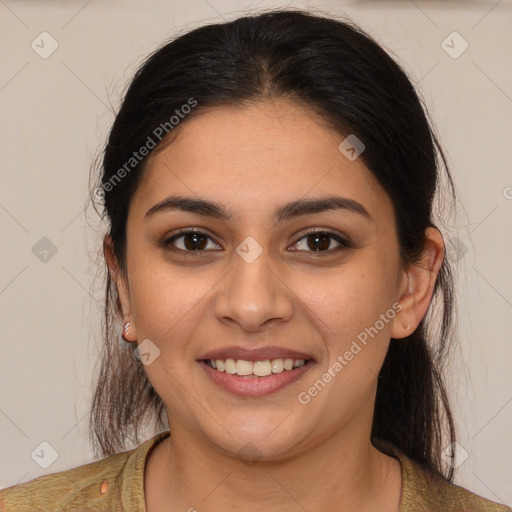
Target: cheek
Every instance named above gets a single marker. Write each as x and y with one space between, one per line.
353 298
356 339
167 300
355 312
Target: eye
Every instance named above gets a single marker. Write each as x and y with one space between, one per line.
321 241
194 240
190 240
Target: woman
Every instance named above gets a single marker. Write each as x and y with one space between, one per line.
268 185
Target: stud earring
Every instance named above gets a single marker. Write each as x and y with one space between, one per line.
406 326
126 326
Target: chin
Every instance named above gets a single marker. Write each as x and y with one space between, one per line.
249 442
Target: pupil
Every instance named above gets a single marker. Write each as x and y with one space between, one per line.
197 238
319 246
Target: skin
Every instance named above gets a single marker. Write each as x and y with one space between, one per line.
316 456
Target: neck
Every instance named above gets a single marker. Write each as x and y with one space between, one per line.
343 472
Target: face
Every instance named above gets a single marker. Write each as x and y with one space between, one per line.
318 284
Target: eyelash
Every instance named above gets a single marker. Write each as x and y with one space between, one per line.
344 244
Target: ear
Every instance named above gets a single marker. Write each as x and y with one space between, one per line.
417 285
121 284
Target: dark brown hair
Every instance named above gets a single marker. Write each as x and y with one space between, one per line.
334 68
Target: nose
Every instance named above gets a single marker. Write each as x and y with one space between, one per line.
253 294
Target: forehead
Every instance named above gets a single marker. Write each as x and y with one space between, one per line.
260 155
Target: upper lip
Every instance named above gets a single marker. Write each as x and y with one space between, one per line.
254 354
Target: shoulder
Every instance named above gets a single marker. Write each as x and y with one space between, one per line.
425 491
102 485
81 487
73 486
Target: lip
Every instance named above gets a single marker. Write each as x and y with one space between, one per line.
255 354
251 385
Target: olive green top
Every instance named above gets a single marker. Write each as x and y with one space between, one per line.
116 483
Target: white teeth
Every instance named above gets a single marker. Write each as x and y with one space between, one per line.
259 368
277 365
230 366
244 367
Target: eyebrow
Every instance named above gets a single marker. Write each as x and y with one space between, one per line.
285 212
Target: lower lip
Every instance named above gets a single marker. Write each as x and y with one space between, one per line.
251 385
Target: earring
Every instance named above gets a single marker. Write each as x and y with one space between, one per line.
406 326
126 326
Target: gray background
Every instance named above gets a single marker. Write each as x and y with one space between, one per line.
56 112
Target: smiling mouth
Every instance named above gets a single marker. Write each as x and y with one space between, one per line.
264 368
